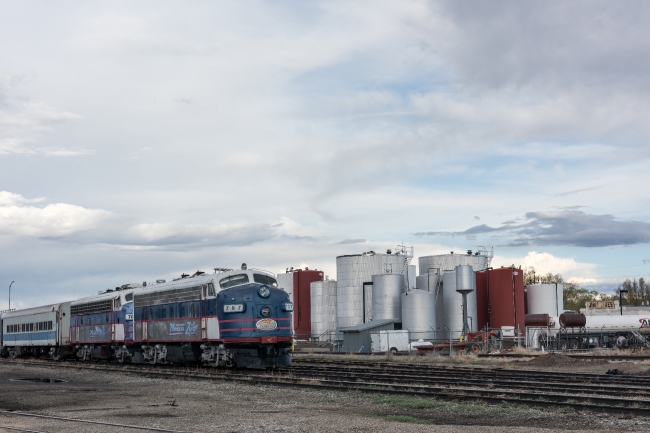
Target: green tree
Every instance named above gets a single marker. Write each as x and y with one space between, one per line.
638 291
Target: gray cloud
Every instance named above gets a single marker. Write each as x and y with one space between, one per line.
351 241
577 191
564 228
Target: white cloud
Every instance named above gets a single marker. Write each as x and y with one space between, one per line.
77 224
545 263
24 125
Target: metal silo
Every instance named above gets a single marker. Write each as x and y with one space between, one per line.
545 299
429 282
453 307
386 292
323 310
448 262
352 271
419 314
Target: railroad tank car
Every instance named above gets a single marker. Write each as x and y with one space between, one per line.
102 325
626 331
39 331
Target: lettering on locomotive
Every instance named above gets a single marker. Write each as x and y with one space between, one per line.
188 328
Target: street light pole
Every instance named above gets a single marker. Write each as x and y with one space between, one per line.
10 294
620 299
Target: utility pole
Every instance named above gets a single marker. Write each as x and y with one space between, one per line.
10 294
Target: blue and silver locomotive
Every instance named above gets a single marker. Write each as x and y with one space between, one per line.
229 318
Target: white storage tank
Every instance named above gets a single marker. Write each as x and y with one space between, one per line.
419 314
448 262
323 310
545 299
453 307
351 272
386 296
285 282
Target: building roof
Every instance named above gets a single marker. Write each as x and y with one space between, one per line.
368 326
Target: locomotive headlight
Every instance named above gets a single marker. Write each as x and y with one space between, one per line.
265 311
264 291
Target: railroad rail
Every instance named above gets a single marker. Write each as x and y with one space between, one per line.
569 355
602 393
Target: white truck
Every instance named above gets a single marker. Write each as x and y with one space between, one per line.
389 341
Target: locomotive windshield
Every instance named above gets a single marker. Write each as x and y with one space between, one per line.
235 280
265 279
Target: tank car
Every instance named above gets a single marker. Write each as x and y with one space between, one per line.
578 331
40 331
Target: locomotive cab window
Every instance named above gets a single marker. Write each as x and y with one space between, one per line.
265 279
210 289
128 297
235 280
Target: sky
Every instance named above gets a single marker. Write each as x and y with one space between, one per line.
140 140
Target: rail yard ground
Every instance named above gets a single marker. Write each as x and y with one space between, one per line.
206 406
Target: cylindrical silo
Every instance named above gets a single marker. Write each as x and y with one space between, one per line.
465 279
453 307
419 314
323 309
352 272
545 299
448 262
428 282
386 296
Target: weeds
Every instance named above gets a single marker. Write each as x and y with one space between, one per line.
410 402
405 418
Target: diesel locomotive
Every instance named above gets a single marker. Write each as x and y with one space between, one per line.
232 318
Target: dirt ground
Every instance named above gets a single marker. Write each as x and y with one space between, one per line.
192 406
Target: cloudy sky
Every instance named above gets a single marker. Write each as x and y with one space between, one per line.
140 140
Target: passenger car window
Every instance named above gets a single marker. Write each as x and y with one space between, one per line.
265 279
235 280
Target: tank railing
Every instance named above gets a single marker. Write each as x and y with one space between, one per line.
7 311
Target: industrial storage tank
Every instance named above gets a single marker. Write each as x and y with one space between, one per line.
419 314
386 296
453 307
448 262
500 298
297 284
432 283
429 282
323 310
352 271
545 299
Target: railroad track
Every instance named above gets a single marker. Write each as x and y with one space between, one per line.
581 357
540 389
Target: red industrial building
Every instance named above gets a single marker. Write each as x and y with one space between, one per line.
500 298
